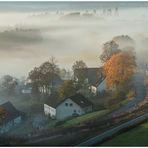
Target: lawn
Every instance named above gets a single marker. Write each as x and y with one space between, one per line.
85 118
137 136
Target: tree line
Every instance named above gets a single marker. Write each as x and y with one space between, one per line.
118 61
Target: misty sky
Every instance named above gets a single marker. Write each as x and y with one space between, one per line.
30 33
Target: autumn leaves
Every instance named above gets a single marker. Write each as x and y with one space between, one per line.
118 65
119 69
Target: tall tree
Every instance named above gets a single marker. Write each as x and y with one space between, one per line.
42 77
54 70
79 70
109 48
35 77
119 69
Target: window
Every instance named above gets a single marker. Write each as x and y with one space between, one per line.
66 104
71 104
74 111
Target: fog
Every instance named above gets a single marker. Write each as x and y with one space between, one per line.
28 38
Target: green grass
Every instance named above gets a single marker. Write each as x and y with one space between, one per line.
50 123
137 136
84 118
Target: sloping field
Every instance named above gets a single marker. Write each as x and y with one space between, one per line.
137 136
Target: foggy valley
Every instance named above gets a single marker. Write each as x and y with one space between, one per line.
60 55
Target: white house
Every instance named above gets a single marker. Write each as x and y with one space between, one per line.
102 86
95 78
11 118
71 106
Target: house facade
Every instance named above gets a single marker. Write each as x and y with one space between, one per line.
12 117
92 75
94 78
49 110
75 105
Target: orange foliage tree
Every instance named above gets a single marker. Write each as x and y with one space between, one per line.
119 70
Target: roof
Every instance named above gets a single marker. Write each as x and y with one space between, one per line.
11 112
80 100
77 98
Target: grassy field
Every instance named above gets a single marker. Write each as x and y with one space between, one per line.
85 118
134 137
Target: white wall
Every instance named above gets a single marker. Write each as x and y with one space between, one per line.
63 111
48 110
102 86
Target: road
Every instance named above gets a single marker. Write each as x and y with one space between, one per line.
99 138
140 93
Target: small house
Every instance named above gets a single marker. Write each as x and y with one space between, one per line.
94 78
10 119
75 105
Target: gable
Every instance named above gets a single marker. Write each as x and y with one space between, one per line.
92 75
81 100
68 103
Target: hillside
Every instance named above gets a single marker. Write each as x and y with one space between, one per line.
135 137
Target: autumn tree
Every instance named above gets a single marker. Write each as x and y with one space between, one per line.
119 69
67 89
109 48
79 70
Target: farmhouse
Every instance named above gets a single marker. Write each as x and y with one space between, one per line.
91 74
70 106
10 119
94 78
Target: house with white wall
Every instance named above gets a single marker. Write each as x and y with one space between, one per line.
70 106
95 78
10 119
